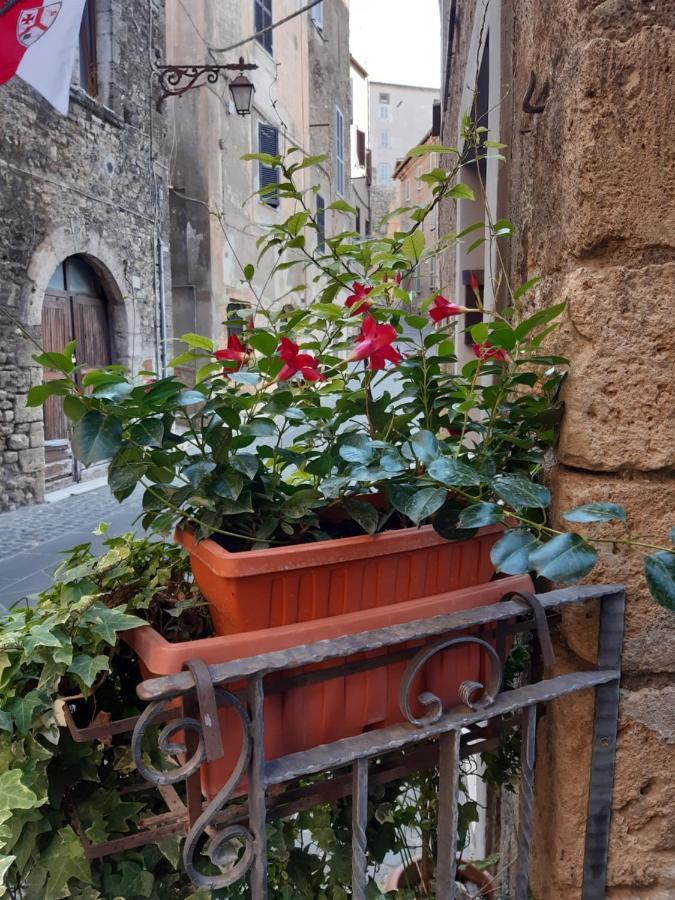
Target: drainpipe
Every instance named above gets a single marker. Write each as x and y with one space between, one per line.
162 305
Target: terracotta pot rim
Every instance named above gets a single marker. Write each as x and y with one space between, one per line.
224 563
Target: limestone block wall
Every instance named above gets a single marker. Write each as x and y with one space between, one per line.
92 183
589 185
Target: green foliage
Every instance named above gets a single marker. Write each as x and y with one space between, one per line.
66 644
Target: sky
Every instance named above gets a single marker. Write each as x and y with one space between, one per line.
397 40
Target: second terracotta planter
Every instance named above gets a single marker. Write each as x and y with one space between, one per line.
314 714
279 586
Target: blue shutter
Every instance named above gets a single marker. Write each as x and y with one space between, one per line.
320 223
268 142
263 19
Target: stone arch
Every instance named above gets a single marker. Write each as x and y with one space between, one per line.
90 244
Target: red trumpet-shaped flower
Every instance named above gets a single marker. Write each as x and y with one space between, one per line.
487 351
294 362
375 344
473 282
443 309
235 352
357 300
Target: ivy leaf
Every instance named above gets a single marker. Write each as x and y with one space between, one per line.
363 513
424 503
129 880
425 447
170 848
479 515
6 722
521 493
454 473
596 512
5 866
40 636
22 709
511 553
564 559
64 859
14 794
106 622
660 575
87 667
96 437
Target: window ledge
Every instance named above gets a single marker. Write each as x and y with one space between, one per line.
82 98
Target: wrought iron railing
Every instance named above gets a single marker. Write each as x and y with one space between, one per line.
187 706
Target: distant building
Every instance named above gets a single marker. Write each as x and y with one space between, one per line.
398 113
83 234
302 99
361 152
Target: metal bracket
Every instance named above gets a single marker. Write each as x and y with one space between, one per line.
208 709
543 631
177 80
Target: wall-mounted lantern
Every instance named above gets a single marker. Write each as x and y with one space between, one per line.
178 80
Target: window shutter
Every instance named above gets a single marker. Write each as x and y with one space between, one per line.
321 223
339 152
268 142
361 147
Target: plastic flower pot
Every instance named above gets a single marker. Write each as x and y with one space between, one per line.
258 589
306 716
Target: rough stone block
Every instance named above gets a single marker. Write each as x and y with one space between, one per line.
620 393
31 460
25 413
18 442
649 501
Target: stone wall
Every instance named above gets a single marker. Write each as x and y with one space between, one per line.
93 183
589 186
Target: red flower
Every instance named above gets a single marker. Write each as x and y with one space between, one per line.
357 298
235 352
473 282
375 343
443 309
487 351
294 361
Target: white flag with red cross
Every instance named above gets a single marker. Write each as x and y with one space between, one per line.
38 42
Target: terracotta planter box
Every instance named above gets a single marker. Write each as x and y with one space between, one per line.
306 716
279 586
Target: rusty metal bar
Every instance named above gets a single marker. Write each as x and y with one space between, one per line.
347 750
448 810
610 642
256 790
359 822
527 752
309 654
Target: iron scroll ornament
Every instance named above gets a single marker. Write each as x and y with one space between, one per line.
178 80
468 690
232 870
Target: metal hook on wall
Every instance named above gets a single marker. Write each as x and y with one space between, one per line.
540 104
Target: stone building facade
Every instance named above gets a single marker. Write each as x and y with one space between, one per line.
84 194
588 183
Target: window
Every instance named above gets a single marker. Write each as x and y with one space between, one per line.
268 142
384 98
88 63
384 106
262 20
406 189
384 173
384 140
316 14
235 318
339 152
357 224
320 223
418 175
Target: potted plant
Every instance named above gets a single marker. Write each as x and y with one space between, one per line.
332 460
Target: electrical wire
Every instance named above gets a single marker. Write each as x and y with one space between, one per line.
271 27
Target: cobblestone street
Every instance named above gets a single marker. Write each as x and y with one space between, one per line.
33 539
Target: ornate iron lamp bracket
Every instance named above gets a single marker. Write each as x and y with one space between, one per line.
178 80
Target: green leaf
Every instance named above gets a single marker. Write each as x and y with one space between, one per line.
660 575
246 463
521 493
23 709
461 192
446 520
87 667
363 513
96 437
425 447
5 866
342 206
250 378
260 428
107 622
511 553
148 433
229 485
197 340
126 470
189 398
425 149
479 515
596 512
118 391
357 448
413 246
64 859
14 794
525 287
57 361
38 394
542 317
40 635
424 503
74 408
454 473
564 559
196 472
264 342
249 271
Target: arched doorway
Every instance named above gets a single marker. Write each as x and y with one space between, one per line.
75 309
